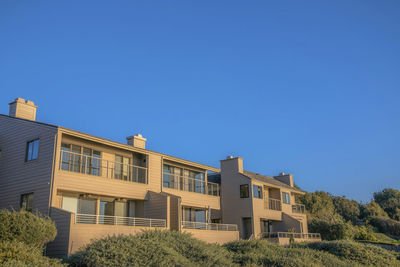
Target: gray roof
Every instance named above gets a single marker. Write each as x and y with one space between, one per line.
269 180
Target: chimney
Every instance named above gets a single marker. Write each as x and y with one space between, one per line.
23 109
232 164
285 178
136 141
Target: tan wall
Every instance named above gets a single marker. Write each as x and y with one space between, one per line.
210 236
195 199
82 234
19 177
175 213
234 208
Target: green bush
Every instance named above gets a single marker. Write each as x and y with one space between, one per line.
265 253
15 253
26 227
367 255
151 248
364 233
386 225
331 230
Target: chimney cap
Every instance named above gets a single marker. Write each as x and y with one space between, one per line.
282 174
229 157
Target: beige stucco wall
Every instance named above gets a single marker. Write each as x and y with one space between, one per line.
210 236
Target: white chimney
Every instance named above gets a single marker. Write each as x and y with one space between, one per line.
136 141
23 109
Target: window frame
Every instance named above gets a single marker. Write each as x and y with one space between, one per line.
286 200
27 154
257 189
240 190
28 200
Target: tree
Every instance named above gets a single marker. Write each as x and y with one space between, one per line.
348 209
389 200
371 210
319 205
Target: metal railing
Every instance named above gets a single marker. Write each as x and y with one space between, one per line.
190 184
209 226
117 220
289 235
298 208
74 162
272 204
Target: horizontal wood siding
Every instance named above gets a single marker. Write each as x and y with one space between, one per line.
19 177
195 199
63 220
156 206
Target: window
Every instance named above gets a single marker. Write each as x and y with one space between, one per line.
80 159
26 202
191 181
193 215
244 191
286 198
122 168
257 191
32 150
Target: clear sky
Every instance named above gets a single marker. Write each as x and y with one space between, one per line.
305 87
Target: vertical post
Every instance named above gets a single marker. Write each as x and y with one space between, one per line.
97 210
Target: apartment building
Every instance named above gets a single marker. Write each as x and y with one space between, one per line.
93 187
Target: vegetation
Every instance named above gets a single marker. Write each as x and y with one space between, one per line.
22 239
151 248
338 218
33 230
170 248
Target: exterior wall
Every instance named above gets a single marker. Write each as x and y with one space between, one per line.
19 177
101 185
157 206
234 208
175 212
210 236
193 199
63 220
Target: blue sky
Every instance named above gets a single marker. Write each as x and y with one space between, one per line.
305 87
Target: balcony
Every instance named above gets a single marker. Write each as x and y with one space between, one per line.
209 226
273 204
298 208
96 166
291 235
190 184
117 220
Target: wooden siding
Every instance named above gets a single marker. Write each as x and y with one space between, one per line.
156 206
195 199
63 220
19 177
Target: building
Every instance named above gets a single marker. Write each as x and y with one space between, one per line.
92 187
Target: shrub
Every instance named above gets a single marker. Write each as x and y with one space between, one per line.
371 210
151 248
364 233
348 209
15 253
389 200
265 253
26 227
367 255
331 230
386 225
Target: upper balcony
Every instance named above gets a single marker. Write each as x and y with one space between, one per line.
95 165
190 184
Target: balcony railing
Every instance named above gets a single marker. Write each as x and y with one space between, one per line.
117 220
209 226
316 236
272 204
74 162
190 184
298 208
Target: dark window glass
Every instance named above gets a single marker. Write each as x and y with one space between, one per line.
286 198
257 191
244 191
26 202
32 150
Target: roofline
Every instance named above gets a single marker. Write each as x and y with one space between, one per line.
135 149
26 120
284 185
